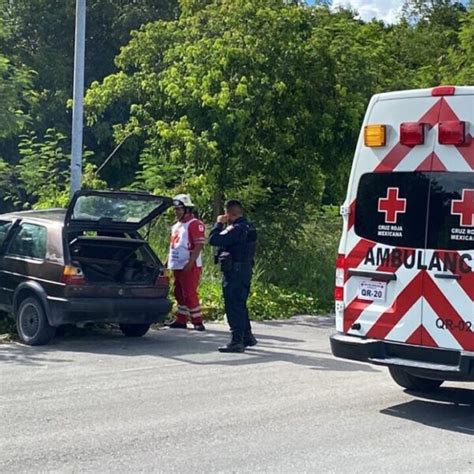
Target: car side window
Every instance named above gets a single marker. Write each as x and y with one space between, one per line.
30 241
4 228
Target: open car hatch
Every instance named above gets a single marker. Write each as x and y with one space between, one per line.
113 210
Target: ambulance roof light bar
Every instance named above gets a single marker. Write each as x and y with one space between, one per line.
443 90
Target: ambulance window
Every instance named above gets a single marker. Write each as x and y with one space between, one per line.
451 211
391 208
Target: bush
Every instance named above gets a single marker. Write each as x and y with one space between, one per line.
305 264
266 301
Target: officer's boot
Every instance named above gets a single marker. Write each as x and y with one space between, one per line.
235 345
249 339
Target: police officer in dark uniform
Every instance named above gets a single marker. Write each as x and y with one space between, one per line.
236 251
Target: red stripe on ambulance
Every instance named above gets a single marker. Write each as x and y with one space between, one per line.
421 335
432 163
402 304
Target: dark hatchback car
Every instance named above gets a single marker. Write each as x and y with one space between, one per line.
84 264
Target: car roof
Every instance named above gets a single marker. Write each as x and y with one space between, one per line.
50 215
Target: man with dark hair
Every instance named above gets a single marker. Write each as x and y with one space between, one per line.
237 244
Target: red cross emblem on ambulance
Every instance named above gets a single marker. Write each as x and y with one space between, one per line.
392 205
464 208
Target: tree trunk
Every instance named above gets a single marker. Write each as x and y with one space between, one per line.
216 205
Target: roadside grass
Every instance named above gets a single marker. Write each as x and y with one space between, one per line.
266 300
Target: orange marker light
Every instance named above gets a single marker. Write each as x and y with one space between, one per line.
375 135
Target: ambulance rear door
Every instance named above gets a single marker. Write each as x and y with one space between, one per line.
448 309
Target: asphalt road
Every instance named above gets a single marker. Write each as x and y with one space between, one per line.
170 403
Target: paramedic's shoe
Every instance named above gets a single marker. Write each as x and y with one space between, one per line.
199 327
250 340
177 325
233 346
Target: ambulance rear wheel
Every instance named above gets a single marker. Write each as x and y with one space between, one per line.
411 382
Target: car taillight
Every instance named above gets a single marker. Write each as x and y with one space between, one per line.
339 287
412 133
162 279
73 275
452 132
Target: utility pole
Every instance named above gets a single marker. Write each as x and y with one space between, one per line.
78 96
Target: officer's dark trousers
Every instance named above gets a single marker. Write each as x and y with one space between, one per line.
236 289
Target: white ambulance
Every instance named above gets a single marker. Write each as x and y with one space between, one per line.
404 278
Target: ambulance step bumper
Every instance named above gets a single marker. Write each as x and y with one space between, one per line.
422 361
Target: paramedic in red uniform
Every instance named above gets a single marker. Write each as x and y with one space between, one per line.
184 259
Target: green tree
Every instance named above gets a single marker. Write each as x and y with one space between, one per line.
257 99
361 64
427 31
41 179
460 69
436 12
42 37
14 86
235 99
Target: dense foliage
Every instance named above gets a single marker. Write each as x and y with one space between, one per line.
15 86
259 99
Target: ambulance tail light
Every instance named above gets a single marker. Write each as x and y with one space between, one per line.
339 287
443 90
452 132
375 135
412 133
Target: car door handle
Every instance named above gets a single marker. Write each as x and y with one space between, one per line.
376 275
447 276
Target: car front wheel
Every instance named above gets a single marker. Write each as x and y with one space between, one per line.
134 330
411 382
32 324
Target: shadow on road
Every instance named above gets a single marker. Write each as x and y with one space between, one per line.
24 355
184 346
448 409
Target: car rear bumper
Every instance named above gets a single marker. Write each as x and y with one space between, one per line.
428 362
97 310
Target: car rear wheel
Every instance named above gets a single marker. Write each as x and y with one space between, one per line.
411 382
134 330
32 323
